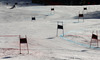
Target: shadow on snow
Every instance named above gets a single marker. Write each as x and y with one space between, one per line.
90 15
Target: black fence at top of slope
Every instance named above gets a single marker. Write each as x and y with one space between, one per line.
51 2
13 1
18 2
67 2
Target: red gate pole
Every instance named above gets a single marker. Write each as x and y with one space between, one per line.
20 44
57 30
97 39
63 29
78 17
91 39
27 45
83 16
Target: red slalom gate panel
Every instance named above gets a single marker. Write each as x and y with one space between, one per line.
94 37
80 15
52 9
23 41
60 27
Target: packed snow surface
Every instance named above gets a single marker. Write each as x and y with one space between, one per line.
41 33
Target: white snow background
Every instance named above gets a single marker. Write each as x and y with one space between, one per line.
41 33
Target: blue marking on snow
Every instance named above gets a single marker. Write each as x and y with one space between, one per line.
42 15
81 44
